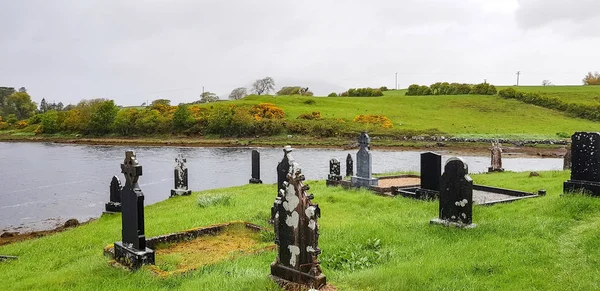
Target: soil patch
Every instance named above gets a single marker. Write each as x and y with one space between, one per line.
399 182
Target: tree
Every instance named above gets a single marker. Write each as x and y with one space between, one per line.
208 97
20 104
182 118
238 93
4 93
43 106
125 121
50 122
592 78
264 85
546 83
294 90
23 90
165 102
102 118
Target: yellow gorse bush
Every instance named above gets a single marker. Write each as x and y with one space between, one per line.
382 120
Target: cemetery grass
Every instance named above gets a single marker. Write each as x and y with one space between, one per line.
369 242
588 95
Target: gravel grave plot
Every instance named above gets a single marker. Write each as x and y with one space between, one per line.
404 181
481 197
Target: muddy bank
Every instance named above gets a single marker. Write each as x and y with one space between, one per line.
12 236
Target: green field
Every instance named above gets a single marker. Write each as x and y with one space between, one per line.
546 243
461 115
589 95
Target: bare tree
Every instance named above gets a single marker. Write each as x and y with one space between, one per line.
264 85
546 83
238 93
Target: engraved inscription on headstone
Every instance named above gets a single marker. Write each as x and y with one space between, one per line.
364 166
456 195
297 233
255 168
132 250
585 166
114 205
181 178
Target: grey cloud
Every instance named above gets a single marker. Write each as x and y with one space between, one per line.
538 13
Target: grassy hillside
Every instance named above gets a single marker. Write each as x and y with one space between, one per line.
589 95
546 243
462 115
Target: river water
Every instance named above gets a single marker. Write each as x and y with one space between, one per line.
44 184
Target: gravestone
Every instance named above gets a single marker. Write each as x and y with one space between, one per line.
364 164
132 251
114 205
297 233
456 195
283 169
567 159
431 171
349 166
255 168
585 167
181 178
496 155
334 170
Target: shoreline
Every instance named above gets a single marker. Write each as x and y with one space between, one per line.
451 147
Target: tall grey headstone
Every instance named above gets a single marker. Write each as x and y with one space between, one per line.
585 166
181 178
456 195
364 164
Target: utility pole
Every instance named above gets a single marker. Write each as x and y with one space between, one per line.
485 81
518 74
396 81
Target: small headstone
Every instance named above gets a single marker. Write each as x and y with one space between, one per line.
297 234
349 166
114 205
456 195
431 171
567 159
283 169
181 178
334 170
585 168
364 164
496 155
132 251
255 168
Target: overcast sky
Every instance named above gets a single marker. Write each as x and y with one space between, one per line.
133 51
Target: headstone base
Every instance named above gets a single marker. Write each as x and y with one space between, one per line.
255 181
133 258
592 188
279 272
448 223
180 192
491 170
112 207
364 182
426 194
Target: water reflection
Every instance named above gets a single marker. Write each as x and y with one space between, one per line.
42 183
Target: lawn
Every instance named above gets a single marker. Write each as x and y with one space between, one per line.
546 243
589 95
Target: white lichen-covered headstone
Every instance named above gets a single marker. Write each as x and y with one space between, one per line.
585 163
181 177
456 195
364 164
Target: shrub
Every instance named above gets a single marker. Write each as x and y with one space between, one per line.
383 88
213 200
363 92
4 125
49 123
268 111
311 116
309 102
21 124
484 89
332 94
294 90
381 120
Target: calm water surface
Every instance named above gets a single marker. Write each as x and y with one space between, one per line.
44 184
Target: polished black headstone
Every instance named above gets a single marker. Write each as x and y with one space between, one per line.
456 194
431 171
349 166
255 168
114 205
585 163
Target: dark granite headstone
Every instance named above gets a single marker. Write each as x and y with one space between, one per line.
114 205
364 164
181 178
431 171
349 166
334 170
585 169
283 169
297 233
255 168
496 157
132 251
456 195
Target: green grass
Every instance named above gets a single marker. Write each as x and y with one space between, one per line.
589 95
462 115
546 243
